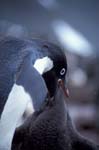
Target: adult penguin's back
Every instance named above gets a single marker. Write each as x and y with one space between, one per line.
10 62
12 55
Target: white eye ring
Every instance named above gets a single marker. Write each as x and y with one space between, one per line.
62 72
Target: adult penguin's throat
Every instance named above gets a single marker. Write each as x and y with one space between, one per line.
65 89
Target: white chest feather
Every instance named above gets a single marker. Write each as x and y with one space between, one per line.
13 110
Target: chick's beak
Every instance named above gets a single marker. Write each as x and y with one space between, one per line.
65 89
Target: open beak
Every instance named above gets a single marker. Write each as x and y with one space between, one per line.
65 89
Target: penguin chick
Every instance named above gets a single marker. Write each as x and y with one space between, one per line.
50 128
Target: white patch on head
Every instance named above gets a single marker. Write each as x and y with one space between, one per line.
13 110
43 65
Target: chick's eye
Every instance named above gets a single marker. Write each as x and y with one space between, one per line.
62 72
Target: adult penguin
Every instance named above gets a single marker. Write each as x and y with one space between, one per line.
48 59
50 128
21 63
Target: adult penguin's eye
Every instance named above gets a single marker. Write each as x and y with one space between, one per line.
62 72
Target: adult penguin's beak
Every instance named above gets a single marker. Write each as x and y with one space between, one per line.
64 88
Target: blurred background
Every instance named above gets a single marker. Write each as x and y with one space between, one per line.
73 25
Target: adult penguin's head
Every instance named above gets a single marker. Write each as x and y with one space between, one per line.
57 68
58 72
